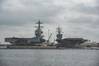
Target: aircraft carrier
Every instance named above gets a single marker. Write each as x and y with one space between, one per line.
38 41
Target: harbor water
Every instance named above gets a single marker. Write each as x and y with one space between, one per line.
46 57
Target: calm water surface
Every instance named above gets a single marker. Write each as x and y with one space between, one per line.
37 57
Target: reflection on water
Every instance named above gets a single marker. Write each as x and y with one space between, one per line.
31 57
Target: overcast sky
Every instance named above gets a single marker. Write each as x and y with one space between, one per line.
78 18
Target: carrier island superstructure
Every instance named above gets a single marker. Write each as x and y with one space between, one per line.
39 42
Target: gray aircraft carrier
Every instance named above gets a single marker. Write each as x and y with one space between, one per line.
38 42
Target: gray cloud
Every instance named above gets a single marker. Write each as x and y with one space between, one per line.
93 10
28 11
